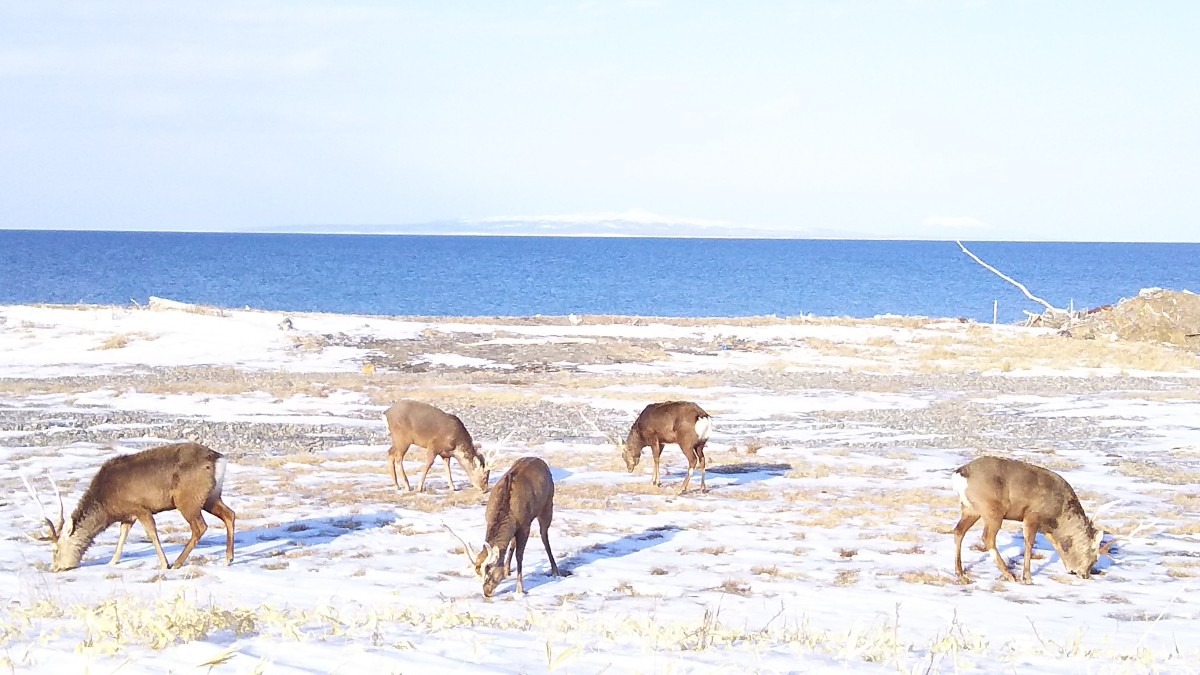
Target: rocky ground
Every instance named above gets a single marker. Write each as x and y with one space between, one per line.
954 421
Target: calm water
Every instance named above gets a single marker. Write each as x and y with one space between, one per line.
514 276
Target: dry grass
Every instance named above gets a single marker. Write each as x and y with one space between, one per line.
1158 472
735 587
113 342
846 578
925 577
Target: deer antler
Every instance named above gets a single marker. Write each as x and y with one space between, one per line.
1107 547
1108 505
54 529
467 547
609 437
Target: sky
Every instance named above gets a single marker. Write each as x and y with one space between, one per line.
977 120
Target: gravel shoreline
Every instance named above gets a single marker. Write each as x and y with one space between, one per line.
954 418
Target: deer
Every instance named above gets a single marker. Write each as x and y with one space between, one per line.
441 434
524 492
185 477
998 489
680 422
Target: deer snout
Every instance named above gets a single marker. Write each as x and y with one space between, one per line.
631 462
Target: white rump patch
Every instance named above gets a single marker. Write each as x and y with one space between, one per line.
959 482
219 475
703 426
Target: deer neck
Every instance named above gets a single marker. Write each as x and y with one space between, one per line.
1074 531
634 443
502 525
501 532
85 524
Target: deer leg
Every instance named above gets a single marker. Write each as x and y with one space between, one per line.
227 516
430 457
656 451
966 522
695 457
396 456
691 460
125 525
1031 529
512 548
522 539
196 520
147 521
449 478
544 526
703 460
991 527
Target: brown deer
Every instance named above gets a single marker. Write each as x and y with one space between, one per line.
440 434
186 477
680 422
524 492
998 489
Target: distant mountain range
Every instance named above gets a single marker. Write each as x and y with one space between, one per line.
624 224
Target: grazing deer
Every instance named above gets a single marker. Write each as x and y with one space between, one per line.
440 434
998 489
524 492
186 477
680 422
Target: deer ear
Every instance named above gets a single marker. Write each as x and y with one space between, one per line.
493 554
1099 538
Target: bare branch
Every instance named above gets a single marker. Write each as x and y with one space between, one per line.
1010 280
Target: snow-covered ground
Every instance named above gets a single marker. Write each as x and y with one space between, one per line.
820 548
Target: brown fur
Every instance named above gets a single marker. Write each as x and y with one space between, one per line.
998 489
668 422
440 434
525 492
183 476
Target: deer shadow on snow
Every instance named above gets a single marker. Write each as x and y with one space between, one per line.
269 542
624 545
1041 546
745 473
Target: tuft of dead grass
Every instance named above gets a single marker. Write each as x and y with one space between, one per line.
119 341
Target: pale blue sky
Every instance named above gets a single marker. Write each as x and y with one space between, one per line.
912 119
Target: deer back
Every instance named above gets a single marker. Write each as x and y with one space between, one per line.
665 422
153 480
520 495
428 426
437 431
1021 490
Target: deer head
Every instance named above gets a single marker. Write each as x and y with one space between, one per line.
486 563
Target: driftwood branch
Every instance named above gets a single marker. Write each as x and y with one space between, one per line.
1010 280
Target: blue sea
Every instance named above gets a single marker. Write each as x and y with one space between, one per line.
522 276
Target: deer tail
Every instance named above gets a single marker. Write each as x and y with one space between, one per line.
219 475
958 480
